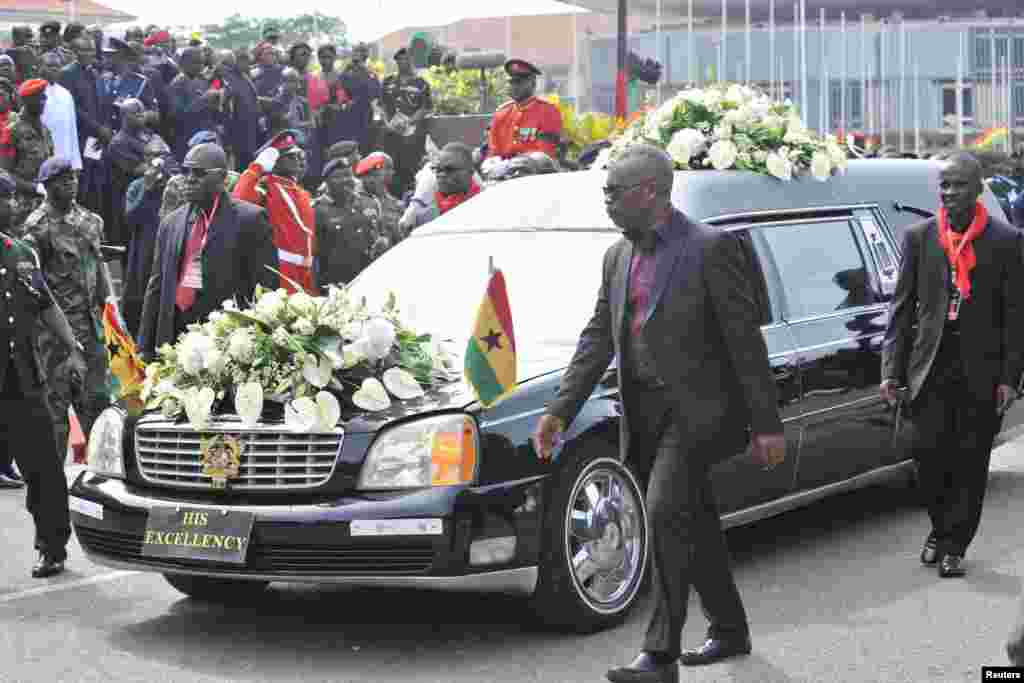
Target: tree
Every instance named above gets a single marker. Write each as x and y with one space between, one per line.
241 31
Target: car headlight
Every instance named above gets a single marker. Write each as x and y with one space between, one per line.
105 454
434 451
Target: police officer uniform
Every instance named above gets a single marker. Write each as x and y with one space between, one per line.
24 416
131 84
533 125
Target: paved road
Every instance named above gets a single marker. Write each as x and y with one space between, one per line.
834 592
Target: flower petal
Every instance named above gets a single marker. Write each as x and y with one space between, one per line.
301 414
372 396
328 411
401 384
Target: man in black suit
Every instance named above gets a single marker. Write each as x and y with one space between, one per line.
676 308
211 249
954 338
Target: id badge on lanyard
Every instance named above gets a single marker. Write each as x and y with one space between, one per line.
954 299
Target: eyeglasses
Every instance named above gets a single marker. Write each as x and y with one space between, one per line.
615 192
197 173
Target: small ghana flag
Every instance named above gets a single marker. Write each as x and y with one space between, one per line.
128 370
490 365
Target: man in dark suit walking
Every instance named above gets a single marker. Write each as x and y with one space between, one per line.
211 249
677 310
954 339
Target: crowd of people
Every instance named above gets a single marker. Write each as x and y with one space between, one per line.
206 173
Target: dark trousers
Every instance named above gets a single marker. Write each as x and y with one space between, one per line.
952 443
25 422
687 543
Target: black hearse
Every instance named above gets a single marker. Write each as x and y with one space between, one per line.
825 257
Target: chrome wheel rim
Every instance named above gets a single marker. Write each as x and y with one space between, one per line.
606 537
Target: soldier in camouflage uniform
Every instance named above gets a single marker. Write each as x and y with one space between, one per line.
24 146
67 239
348 235
376 172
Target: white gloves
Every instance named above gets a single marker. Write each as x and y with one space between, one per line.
40 189
267 159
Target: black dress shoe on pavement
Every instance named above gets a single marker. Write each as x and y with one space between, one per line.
11 472
930 552
951 565
647 668
47 566
7 482
714 650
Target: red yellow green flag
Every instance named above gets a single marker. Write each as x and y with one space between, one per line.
490 364
128 370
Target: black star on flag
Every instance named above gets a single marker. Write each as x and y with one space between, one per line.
493 340
113 348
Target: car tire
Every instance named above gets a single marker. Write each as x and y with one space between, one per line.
211 589
589 585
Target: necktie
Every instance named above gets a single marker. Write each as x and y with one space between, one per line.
641 280
186 296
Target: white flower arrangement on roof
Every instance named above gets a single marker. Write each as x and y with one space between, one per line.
733 126
298 350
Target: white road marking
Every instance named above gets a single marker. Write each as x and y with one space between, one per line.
64 586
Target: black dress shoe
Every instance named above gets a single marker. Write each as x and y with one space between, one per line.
714 650
951 565
930 552
47 566
647 668
10 483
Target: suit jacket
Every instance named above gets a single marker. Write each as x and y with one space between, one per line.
703 330
81 83
1017 211
239 247
989 320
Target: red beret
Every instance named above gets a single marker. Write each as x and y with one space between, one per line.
33 86
158 38
371 163
284 142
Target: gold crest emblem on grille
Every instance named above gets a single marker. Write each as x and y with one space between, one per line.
221 459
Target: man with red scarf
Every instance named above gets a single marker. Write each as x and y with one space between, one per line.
954 339
272 181
453 183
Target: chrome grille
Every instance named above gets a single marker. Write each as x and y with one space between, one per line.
274 458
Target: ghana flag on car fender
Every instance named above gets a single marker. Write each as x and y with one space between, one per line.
490 365
128 370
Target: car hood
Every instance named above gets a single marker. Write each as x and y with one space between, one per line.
534 361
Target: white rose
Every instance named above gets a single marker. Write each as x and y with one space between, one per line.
304 326
240 346
779 166
821 166
269 307
380 336
686 144
723 131
760 108
723 155
303 303
737 93
193 350
712 100
215 361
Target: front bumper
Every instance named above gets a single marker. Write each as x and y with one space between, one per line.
313 543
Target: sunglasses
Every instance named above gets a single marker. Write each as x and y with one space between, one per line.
448 169
197 173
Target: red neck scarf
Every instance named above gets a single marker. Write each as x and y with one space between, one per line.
958 246
447 202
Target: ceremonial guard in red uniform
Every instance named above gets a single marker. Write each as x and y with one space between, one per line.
272 181
525 124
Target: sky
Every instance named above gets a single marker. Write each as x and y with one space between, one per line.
366 19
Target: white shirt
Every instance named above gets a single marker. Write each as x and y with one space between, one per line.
59 117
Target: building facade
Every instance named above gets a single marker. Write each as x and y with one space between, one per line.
897 74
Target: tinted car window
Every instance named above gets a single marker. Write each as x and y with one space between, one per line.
820 267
